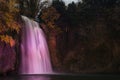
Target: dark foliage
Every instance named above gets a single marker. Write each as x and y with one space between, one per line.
91 31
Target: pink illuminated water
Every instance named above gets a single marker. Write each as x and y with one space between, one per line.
35 57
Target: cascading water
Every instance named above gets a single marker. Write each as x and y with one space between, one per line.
35 57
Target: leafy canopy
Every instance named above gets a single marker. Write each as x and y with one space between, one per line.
8 23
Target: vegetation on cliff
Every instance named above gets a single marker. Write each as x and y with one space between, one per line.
92 27
9 26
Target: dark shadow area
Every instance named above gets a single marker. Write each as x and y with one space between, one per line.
63 77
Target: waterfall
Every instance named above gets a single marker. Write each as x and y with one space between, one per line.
35 58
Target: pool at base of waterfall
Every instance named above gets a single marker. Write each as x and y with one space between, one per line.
62 77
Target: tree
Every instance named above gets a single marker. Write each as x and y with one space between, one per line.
31 8
59 5
50 16
72 14
8 23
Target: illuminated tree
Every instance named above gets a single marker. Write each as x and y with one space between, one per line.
50 16
8 23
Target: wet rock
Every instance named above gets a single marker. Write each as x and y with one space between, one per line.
7 58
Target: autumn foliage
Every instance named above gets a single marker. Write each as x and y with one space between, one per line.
50 16
8 22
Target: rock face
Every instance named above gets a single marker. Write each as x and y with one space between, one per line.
7 57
